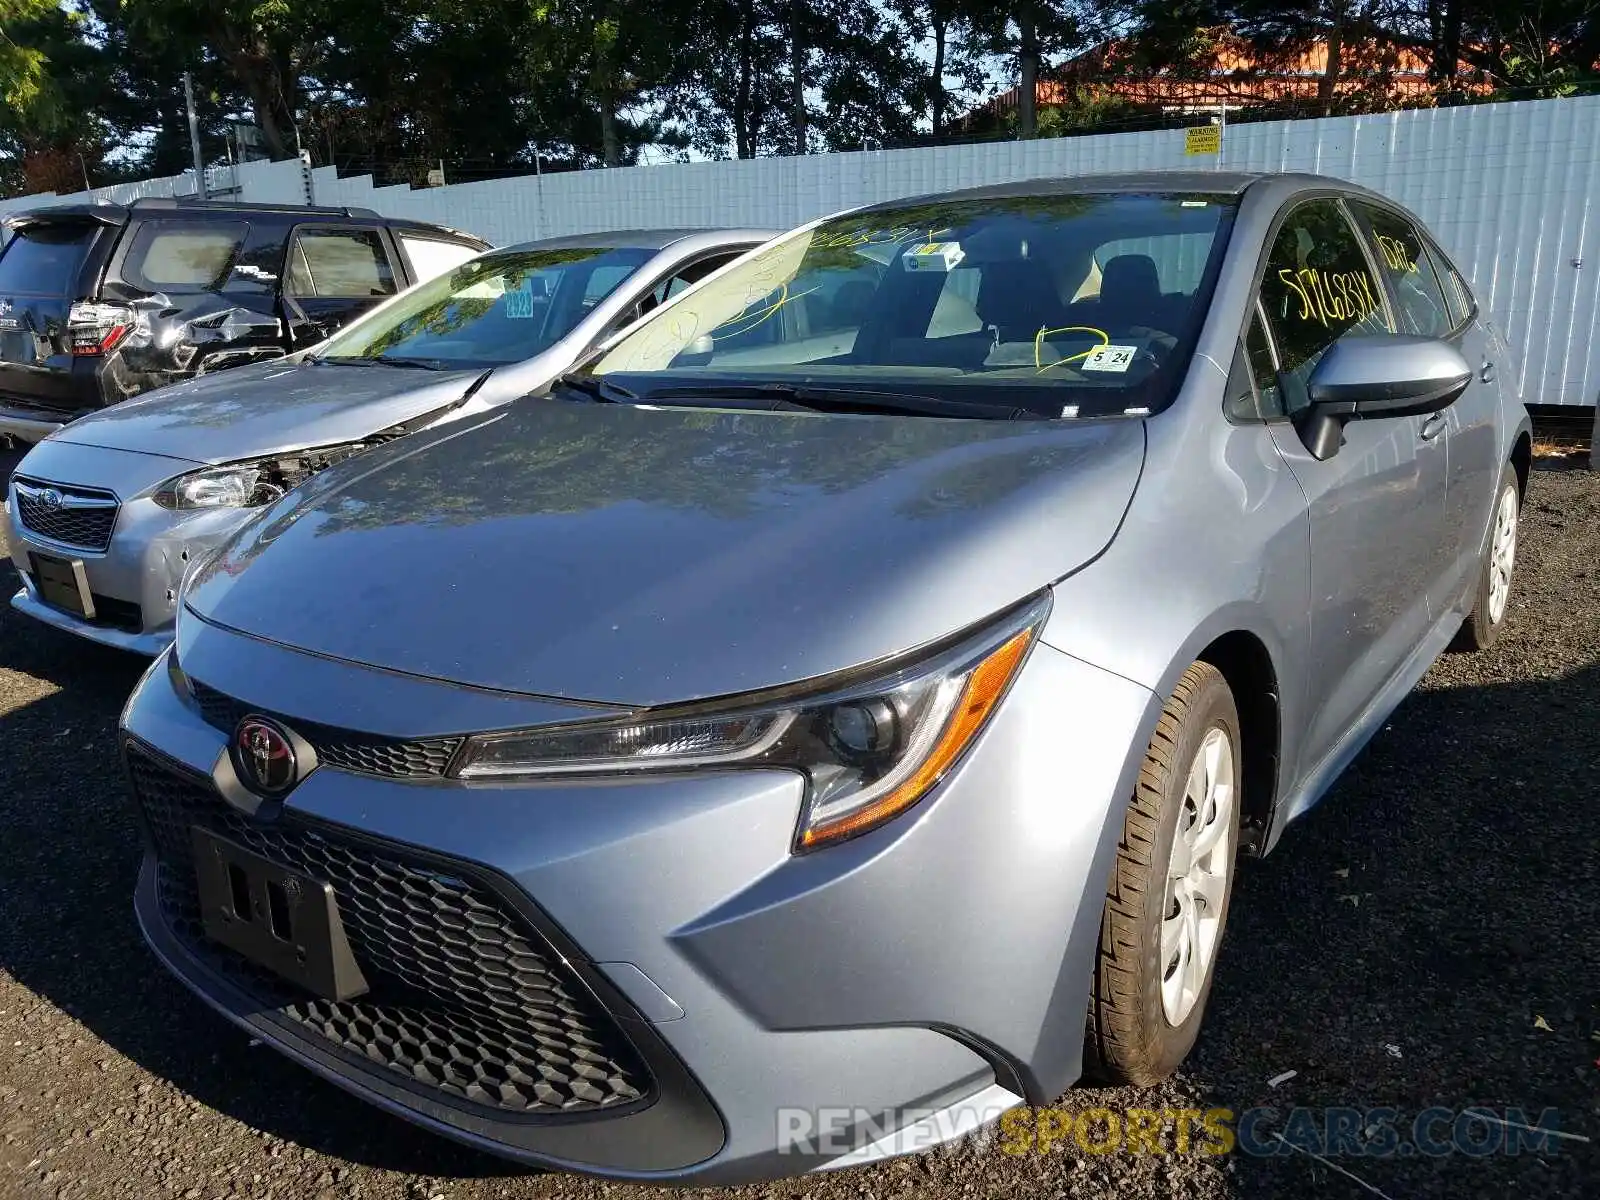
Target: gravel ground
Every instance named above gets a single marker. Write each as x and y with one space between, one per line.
1427 937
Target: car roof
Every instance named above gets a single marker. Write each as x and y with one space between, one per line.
190 207
1230 183
647 239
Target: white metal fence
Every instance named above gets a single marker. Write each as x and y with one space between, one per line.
1508 188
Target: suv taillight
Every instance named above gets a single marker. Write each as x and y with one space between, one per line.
97 328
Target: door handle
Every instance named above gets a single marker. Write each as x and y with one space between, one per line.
1433 427
1486 372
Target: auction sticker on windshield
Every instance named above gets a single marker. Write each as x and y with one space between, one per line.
1109 358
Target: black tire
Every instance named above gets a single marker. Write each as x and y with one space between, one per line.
1481 629
1129 1037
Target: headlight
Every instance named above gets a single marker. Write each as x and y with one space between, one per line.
242 485
869 750
255 482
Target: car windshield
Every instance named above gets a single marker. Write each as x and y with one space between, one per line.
1056 305
494 310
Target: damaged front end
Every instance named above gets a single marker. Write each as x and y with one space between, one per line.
256 482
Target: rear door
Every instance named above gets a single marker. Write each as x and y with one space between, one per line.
334 273
1427 304
46 266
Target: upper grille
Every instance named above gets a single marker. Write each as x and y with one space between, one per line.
466 997
347 750
74 516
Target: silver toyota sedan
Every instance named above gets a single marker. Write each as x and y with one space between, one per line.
832 716
110 513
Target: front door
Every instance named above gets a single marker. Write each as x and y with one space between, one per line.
334 273
1377 505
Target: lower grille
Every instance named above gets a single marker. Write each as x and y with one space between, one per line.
82 517
343 749
466 997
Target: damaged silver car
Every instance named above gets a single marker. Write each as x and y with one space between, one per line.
108 515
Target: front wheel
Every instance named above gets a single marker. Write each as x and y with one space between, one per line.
1168 900
1482 626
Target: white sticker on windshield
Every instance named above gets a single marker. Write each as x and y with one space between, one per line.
935 256
1109 358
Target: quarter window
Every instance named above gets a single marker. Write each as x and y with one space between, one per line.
1318 288
167 257
1402 257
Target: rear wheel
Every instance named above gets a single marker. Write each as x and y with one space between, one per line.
1482 626
1168 900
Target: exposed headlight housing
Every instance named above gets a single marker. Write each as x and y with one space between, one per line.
238 486
869 749
254 482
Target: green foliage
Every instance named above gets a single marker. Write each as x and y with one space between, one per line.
394 87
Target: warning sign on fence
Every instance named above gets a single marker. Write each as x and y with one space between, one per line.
1202 139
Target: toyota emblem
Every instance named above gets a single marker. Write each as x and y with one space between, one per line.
50 500
263 755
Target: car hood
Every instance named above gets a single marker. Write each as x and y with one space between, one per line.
643 556
268 407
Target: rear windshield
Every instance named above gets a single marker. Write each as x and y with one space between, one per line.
165 256
1069 305
494 310
45 259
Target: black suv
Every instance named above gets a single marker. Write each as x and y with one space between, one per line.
99 302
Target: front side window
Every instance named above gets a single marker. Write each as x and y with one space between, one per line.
434 256
1462 304
169 257
1403 258
343 264
498 308
1066 305
1318 287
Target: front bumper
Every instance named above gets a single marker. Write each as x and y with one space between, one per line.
140 572
819 1007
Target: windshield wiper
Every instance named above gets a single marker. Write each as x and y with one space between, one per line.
382 360
595 387
847 399
401 360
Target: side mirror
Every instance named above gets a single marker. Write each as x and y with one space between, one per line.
1369 378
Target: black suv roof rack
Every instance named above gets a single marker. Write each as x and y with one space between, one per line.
176 202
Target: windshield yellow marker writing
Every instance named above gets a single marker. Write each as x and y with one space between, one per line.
766 314
1038 345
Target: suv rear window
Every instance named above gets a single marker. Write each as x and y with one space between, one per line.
45 259
169 257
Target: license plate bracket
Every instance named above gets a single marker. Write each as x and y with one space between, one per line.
62 584
277 918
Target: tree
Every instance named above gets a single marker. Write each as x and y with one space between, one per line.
1030 32
21 67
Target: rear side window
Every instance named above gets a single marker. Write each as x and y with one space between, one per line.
347 264
1318 288
1403 259
45 259
431 256
166 256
